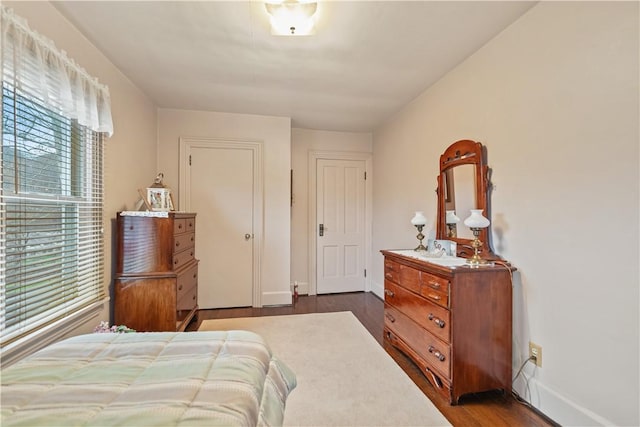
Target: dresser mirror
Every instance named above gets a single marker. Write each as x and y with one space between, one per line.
463 184
460 197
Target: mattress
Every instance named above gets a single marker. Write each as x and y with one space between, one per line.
221 378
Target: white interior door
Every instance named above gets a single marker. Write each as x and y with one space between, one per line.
340 231
221 193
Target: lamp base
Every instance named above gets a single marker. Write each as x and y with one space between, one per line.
420 236
476 261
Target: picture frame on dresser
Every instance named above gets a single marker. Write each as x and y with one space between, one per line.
159 199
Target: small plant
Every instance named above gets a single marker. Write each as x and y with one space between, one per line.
104 328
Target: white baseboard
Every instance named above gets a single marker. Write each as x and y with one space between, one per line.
377 289
558 407
276 298
303 288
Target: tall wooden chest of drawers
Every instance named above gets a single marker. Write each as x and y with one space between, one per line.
454 323
156 283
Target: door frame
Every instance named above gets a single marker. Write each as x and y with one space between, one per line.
313 158
184 180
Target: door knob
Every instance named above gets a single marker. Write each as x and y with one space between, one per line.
247 236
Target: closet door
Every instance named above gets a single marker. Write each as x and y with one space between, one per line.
221 191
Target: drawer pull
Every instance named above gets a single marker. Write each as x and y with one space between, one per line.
436 320
389 293
390 317
194 298
435 285
176 262
192 238
191 253
180 287
177 244
195 275
179 226
434 296
436 353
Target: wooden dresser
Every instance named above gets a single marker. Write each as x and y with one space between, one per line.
156 283
454 323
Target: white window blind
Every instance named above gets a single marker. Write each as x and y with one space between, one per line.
51 204
52 216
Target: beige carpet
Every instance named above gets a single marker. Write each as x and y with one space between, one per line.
345 378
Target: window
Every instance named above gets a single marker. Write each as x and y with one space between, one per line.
51 224
54 118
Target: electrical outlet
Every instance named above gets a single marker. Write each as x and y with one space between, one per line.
535 352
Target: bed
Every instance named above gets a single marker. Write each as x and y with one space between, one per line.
220 378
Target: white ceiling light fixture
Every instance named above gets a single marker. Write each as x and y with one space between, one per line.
292 17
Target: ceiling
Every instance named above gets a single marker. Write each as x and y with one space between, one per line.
365 62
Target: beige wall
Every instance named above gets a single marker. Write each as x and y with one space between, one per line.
302 142
555 100
275 133
130 154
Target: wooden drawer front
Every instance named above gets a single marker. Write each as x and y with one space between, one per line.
179 225
435 289
389 294
189 299
186 281
437 380
435 283
440 298
182 258
432 350
190 224
183 242
432 317
391 270
410 278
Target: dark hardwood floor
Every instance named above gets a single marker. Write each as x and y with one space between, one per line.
482 409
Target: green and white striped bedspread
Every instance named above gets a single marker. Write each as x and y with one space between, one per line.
223 378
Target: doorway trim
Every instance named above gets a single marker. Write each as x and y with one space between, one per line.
184 180
313 158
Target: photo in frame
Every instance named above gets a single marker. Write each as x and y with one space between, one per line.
159 199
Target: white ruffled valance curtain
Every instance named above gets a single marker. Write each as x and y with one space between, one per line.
32 63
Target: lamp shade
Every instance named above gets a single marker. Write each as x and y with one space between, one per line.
476 219
419 218
451 218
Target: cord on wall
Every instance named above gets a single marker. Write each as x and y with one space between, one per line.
515 394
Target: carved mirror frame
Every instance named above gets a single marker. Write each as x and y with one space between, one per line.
465 152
